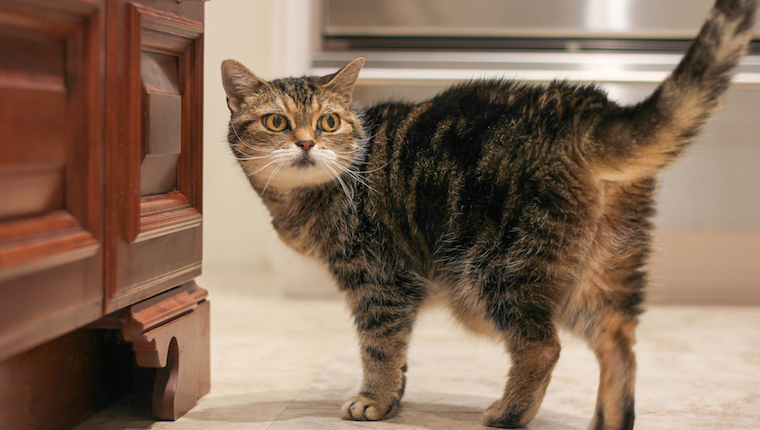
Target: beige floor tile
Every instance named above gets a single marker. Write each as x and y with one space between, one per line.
282 363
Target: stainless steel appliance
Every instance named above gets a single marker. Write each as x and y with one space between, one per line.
709 203
516 24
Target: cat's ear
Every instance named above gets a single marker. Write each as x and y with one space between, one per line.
238 82
342 82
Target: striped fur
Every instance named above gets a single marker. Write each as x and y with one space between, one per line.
522 208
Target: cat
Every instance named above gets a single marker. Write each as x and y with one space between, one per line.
524 208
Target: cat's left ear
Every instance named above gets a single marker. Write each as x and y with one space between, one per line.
342 82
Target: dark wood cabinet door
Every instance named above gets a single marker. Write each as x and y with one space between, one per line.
51 134
154 116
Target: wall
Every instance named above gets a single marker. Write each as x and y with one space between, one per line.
239 242
236 225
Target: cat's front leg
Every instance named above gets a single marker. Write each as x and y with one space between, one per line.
384 321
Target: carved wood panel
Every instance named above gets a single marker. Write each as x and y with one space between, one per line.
51 56
162 124
158 159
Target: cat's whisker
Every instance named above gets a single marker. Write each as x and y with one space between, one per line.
262 168
247 145
351 155
346 162
357 177
252 157
350 159
359 174
343 160
374 170
274 173
237 151
249 158
340 180
343 185
252 148
343 156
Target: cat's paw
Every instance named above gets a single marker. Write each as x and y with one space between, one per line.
361 408
505 415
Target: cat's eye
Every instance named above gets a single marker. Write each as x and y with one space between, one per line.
329 122
275 122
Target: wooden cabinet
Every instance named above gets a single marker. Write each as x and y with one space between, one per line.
100 176
52 248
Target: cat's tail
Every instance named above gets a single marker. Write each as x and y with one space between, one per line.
640 140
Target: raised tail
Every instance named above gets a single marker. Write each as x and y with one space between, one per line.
641 140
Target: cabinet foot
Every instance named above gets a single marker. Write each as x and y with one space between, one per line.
170 332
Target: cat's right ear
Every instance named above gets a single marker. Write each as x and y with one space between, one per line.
238 82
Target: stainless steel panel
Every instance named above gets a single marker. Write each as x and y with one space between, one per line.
448 67
664 19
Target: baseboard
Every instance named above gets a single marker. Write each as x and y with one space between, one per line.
706 268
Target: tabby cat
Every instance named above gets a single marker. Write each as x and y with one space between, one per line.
524 208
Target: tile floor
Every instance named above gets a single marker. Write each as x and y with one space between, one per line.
285 363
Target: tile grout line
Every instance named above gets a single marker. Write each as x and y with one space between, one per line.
280 414
300 393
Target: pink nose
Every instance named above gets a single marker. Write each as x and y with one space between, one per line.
305 144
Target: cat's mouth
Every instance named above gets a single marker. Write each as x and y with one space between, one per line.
304 161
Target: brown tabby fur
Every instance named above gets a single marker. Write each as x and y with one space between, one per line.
523 208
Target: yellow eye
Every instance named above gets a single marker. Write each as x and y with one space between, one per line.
275 122
329 122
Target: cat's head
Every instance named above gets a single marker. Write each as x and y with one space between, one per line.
295 132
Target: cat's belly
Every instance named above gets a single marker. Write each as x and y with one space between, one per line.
465 305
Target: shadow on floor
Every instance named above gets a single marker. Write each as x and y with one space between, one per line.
275 412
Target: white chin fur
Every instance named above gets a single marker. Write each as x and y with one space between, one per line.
284 175
290 177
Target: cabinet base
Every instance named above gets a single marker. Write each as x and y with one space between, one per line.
170 332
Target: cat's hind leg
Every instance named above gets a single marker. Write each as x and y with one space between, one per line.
612 338
384 321
604 307
606 317
529 375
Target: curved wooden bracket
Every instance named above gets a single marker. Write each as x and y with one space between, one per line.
170 332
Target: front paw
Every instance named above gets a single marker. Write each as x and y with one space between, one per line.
362 408
504 414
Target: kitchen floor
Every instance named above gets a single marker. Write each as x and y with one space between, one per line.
288 363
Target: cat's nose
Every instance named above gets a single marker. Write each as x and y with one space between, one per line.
305 144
